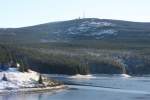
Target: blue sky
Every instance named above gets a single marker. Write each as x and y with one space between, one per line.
20 13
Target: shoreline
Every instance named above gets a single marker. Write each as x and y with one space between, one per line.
31 90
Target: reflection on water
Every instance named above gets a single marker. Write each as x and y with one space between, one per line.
30 96
101 87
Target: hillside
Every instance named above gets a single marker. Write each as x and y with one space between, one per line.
79 29
79 46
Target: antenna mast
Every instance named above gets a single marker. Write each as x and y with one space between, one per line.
83 15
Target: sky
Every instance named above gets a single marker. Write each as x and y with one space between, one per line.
20 13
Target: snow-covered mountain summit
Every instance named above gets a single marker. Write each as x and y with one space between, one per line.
78 29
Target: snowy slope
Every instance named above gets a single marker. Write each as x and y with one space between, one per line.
18 79
92 27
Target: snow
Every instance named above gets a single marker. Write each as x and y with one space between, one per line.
91 24
86 26
6 85
78 76
101 24
109 31
126 75
18 79
96 24
18 65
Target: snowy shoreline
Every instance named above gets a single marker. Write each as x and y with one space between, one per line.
13 81
32 90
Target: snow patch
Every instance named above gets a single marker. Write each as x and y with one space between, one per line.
109 31
78 76
87 27
96 24
125 75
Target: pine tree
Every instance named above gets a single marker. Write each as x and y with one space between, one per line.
21 67
4 78
40 81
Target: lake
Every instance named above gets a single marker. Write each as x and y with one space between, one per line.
93 87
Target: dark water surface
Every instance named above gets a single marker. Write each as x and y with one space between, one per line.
96 87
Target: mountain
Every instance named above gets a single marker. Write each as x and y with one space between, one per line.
79 29
79 46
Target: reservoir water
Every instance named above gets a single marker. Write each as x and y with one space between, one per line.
93 87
